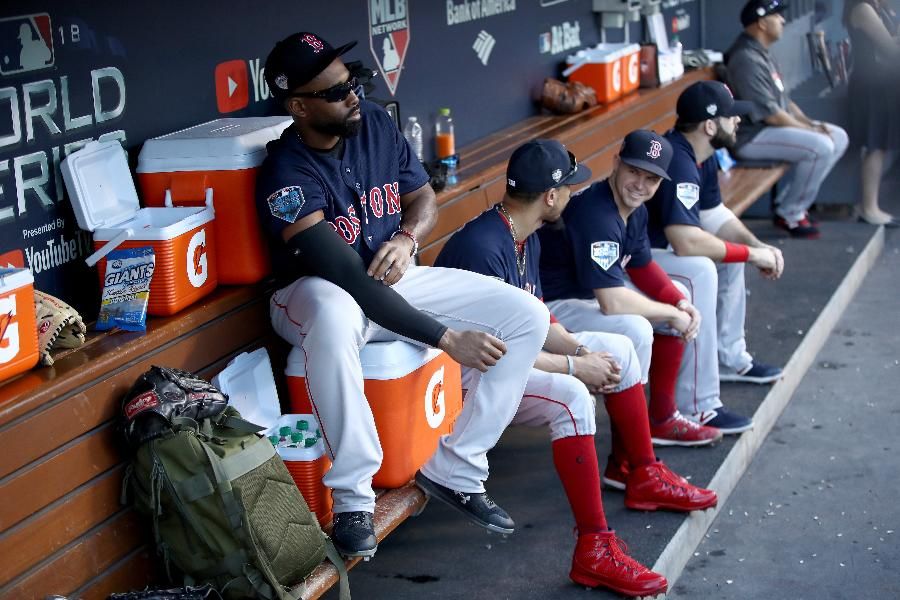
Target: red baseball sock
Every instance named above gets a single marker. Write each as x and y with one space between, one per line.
667 353
628 414
575 459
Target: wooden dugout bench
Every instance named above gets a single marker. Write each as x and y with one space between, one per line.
62 529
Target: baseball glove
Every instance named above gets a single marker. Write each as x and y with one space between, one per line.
58 325
160 395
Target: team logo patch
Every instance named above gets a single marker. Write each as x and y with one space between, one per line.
688 194
605 254
556 175
389 37
655 150
314 42
712 109
286 203
140 403
281 81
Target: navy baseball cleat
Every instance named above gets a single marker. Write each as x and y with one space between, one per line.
478 508
757 373
353 533
723 419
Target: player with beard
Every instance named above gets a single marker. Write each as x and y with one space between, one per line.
345 201
687 219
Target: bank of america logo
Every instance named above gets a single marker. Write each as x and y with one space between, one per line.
483 45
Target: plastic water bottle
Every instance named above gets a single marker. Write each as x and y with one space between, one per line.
413 134
445 143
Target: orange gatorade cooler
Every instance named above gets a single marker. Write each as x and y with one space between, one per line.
18 324
599 67
250 385
183 239
631 68
415 395
223 156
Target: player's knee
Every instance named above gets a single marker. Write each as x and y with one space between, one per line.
577 414
531 314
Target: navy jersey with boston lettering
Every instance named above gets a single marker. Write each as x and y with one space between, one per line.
591 245
692 188
357 187
485 245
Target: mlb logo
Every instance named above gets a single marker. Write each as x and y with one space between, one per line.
605 254
26 43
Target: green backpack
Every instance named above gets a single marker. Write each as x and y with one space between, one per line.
225 510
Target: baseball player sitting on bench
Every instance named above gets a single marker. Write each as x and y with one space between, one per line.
687 219
502 243
345 201
583 271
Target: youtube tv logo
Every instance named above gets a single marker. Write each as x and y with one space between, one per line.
232 86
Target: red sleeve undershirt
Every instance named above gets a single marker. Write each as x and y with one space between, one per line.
654 282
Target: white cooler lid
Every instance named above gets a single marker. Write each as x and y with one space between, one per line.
250 385
100 185
225 144
11 279
380 360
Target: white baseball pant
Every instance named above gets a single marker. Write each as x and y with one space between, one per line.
697 388
698 377
329 326
562 401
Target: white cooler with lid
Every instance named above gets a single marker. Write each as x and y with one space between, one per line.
105 202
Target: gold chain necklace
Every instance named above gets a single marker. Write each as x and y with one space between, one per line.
520 256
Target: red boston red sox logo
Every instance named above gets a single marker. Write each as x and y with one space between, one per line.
655 149
315 42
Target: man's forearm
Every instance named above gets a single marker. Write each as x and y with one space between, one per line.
625 301
783 118
419 212
735 231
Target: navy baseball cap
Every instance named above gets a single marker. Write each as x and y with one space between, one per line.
540 165
647 150
297 59
707 100
755 10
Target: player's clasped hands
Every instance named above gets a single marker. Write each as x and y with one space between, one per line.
598 371
474 349
769 261
391 261
687 322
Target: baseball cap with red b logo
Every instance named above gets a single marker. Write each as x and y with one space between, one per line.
297 59
648 151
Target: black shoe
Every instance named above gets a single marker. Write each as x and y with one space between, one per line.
353 533
757 373
478 508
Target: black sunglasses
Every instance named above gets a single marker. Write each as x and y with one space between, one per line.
573 167
336 93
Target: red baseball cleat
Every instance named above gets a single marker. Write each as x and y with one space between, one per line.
616 474
600 560
655 487
679 431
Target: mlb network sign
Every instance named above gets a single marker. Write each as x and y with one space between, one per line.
234 81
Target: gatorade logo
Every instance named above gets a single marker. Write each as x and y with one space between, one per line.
617 76
633 69
232 88
9 330
197 260
435 407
